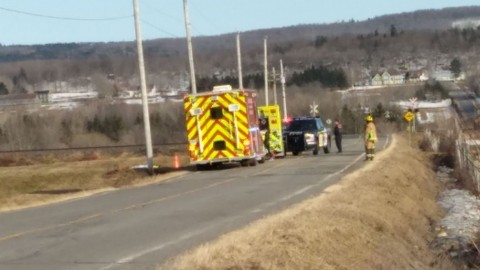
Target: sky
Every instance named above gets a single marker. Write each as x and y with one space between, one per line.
27 22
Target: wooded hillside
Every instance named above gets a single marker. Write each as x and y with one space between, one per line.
424 38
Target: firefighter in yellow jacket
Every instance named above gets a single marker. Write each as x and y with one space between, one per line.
370 138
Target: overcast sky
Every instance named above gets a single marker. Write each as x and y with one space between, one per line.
53 21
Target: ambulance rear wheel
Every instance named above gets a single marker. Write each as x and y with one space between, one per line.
203 167
244 163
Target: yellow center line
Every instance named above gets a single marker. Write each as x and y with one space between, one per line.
134 206
83 219
277 164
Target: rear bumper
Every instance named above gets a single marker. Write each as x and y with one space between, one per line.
226 160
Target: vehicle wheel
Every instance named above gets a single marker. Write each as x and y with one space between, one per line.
203 167
326 149
315 150
252 162
295 153
244 163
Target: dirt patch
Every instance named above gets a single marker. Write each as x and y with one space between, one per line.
379 217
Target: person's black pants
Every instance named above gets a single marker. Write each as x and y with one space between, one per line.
338 142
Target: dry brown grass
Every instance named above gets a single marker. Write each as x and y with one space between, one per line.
35 180
378 217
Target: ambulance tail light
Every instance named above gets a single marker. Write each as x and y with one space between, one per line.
192 145
233 108
196 111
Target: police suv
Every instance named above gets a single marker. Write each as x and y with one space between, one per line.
307 133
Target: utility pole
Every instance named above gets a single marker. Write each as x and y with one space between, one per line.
265 69
274 76
282 80
143 85
239 61
193 81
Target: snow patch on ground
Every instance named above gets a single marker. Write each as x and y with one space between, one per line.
458 230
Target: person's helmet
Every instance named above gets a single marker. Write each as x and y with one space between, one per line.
369 118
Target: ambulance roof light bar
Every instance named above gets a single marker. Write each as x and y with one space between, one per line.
222 88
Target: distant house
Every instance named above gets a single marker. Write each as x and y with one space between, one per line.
443 75
377 80
42 96
417 76
387 78
391 77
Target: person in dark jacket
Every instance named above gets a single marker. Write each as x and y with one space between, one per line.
337 131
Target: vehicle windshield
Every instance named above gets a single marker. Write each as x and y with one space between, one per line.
302 125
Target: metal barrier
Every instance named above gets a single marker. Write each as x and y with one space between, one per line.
468 152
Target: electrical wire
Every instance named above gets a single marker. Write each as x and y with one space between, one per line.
64 18
169 16
161 12
158 28
206 18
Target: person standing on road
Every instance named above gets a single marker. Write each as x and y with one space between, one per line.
370 138
337 131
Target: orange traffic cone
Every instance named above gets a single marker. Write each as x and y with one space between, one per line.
176 163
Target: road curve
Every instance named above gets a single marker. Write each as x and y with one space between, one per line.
137 228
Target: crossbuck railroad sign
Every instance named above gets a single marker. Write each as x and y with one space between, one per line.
314 109
413 102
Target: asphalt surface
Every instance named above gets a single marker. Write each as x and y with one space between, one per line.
138 228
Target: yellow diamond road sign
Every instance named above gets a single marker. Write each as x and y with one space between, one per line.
408 116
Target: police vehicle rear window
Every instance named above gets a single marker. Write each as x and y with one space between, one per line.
302 125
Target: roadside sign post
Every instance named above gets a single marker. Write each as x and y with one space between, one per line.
413 105
409 116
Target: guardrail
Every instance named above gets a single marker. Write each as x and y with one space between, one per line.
468 152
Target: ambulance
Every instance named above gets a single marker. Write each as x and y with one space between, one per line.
222 127
271 126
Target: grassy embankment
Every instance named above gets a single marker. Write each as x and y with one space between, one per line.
379 217
29 181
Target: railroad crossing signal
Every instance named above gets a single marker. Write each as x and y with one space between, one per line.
314 109
413 102
409 116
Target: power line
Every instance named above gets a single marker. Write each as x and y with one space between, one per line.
64 18
161 12
168 15
158 28
206 18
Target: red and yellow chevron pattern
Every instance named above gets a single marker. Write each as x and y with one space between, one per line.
224 136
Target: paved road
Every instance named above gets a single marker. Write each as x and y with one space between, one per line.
137 228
